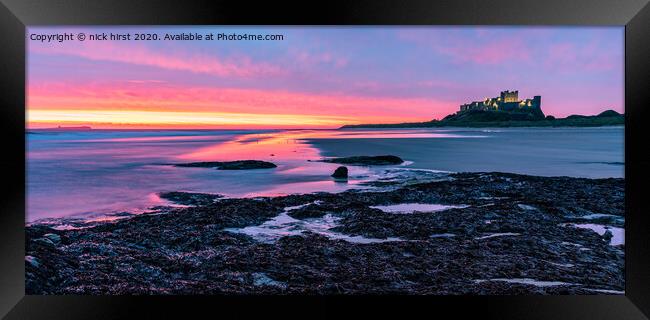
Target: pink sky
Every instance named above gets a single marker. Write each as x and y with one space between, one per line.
317 77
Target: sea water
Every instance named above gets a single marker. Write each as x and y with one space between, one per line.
107 171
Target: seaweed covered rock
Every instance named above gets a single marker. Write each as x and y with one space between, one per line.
230 165
190 199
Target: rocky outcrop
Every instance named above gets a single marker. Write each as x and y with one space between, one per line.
190 199
486 119
230 165
340 173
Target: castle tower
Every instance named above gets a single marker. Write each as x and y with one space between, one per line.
537 102
510 96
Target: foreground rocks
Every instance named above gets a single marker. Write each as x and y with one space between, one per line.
517 235
367 160
190 199
230 165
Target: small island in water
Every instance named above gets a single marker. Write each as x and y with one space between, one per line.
507 111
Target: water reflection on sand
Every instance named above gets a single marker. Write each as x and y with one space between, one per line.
77 173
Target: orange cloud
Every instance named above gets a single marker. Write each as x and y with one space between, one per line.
166 104
177 119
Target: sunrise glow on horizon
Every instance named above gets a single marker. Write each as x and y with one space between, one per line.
321 77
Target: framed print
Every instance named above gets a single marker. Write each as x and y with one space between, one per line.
368 156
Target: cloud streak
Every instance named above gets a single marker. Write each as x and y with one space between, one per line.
153 97
241 66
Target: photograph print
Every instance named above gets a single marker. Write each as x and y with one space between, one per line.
430 160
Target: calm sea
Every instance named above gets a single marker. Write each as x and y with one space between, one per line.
102 171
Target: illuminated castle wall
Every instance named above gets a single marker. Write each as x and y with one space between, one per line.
507 96
507 101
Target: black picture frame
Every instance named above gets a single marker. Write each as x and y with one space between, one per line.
15 15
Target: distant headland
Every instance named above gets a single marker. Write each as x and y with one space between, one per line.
507 110
67 128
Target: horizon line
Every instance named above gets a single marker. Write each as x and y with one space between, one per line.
85 126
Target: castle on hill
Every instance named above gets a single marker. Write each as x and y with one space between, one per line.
507 101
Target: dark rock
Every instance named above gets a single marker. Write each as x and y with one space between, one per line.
367 160
55 238
230 165
340 173
310 211
32 261
608 235
190 199
471 116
